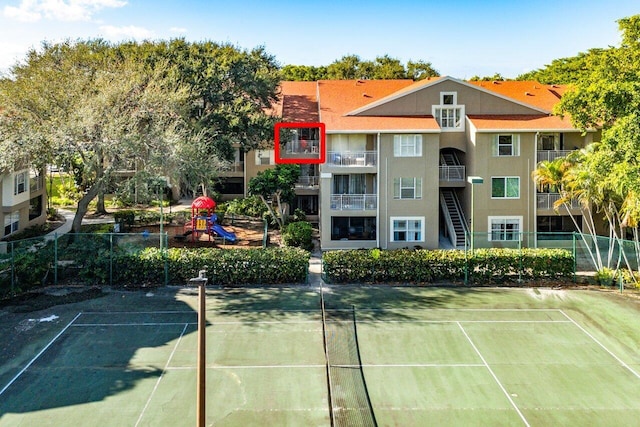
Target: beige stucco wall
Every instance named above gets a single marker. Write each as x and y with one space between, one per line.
425 167
475 100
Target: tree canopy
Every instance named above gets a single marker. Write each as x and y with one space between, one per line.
605 178
169 109
276 184
352 67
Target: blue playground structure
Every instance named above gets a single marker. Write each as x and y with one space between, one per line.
206 223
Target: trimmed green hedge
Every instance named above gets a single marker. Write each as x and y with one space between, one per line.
484 266
224 267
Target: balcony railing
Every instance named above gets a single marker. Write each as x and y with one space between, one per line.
547 200
308 181
551 155
301 146
352 158
236 167
354 202
36 183
452 173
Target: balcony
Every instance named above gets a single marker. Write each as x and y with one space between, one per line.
452 173
547 200
308 182
551 155
36 183
352 158
354 202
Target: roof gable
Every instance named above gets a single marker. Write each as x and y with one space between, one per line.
418 98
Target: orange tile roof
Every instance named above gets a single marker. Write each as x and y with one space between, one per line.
297 102
339 97
520 123
527 92
330 101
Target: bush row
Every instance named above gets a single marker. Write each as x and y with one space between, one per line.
224 267
484 266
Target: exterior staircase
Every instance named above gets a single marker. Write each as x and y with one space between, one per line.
454 217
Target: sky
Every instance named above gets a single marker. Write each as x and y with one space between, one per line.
461 38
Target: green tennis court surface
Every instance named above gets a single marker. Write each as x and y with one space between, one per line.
413 357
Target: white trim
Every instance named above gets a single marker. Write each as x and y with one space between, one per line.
406 218
505 187
518 218
386 131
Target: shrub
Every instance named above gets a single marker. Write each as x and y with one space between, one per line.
605 276
298 234
484 266
250 206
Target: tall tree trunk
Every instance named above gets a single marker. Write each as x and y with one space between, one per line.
100 209
83 206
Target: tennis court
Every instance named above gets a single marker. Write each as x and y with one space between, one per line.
392 356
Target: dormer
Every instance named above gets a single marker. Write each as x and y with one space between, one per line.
449 114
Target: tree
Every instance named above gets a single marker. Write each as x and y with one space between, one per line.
605 177
276 184
75 102
420 70
306 73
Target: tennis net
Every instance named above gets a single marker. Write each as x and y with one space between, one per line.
349 401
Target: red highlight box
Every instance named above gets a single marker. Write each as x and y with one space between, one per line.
301 143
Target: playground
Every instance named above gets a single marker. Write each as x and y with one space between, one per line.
204 229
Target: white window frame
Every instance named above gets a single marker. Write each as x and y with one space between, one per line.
453 94
413 184
505 178
450 117
504 220
20 182
514 144
263 154
407 145
408 230
12 220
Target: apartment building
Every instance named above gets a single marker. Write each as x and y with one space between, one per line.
421 164
23 200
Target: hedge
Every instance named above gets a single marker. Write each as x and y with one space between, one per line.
224 267
483 266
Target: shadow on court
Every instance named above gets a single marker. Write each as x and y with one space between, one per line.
92 351
374 302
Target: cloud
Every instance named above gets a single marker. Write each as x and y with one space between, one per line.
59 10
131 31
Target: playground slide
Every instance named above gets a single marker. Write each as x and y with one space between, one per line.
228 235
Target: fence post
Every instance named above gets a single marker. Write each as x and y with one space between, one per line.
13 268
164 256
575 257
466 261
110 259
55 259
520 266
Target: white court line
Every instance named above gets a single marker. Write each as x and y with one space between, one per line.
220 367
161 375
87 325
39 354
601 345
494 376
457 321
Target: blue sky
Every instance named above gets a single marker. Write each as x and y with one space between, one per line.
460 38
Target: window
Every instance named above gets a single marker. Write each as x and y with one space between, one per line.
407 145
11 222
550 141
349 184
557 227
265 157
407 188
505 228
505 187
407 229
449 114
20 183
506 145
448 98
353 228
